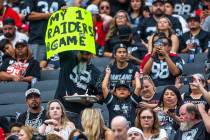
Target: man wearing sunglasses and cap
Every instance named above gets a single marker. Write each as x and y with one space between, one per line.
161 65
35 114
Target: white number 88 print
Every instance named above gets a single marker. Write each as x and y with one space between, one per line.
160 70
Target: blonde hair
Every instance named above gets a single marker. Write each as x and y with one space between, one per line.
64 118
113 26
28 130
93 124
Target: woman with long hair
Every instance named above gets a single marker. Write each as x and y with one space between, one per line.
148 122
93 125
120 18
136 12
164 25
168 109
198 92
57 121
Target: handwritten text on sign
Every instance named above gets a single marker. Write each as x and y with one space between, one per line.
70 29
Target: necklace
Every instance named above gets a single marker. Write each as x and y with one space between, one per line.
37 122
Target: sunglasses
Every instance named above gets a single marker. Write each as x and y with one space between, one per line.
104 7
146 117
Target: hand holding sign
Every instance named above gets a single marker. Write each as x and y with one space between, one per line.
70 29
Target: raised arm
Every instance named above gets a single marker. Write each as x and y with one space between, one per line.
137 90
205 116
105 82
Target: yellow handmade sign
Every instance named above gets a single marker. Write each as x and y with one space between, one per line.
70 29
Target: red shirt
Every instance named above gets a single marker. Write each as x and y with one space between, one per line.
10 13
100 33
2 135
146 58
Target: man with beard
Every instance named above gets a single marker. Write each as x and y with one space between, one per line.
196 40
78 76
148 26
10 32
35 114
191 125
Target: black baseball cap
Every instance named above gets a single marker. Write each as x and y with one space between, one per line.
155 1
193 17
21 42
124 30
119 45
122 83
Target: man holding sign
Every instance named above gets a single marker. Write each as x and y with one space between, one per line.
72 29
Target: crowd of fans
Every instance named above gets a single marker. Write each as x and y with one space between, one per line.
143 39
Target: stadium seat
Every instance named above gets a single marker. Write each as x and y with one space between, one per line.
191 68
46 85
47 95
12 98
14 109
104 112
200 57
184 56
49 75
13 87
11 109
184 89
101 62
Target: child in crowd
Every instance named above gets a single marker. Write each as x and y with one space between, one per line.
121 101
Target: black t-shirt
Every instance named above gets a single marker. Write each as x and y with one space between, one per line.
201 41
125 107
35 119
127 74
160 72
116 6
37 28
197 132
74 78
185 7
155 99
148 27
188 99
28 68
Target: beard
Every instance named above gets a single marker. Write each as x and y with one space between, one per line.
9 35
159 13
35 106
185 126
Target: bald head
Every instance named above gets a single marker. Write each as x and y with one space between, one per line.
120 127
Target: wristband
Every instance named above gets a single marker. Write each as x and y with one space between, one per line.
45 123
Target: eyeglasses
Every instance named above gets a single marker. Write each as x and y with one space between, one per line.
146 117
104 7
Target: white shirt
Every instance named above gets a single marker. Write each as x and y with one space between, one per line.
162 135
18 36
